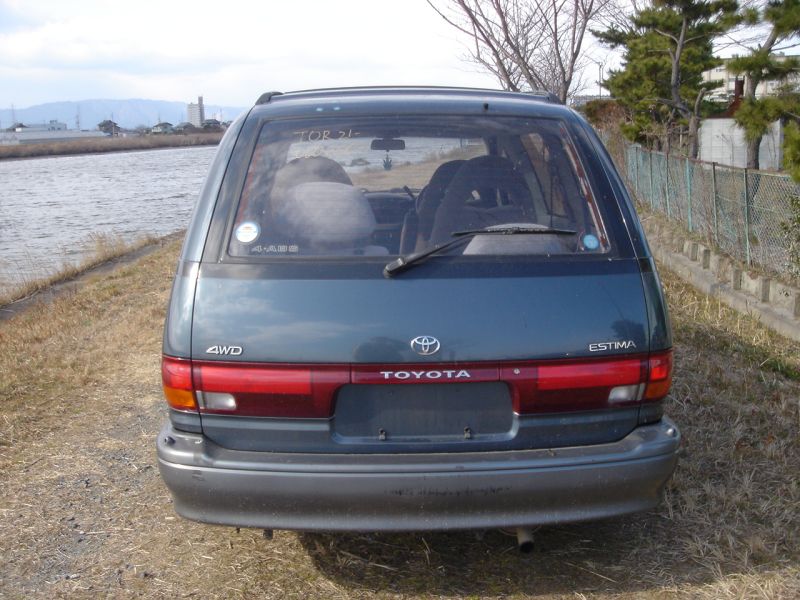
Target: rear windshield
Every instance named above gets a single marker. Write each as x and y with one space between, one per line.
388 186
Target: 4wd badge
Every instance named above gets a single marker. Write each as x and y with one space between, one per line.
226 350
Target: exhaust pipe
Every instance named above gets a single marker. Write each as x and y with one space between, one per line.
525 540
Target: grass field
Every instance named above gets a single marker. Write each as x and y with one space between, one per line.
83 513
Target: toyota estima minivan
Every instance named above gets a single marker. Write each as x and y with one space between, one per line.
414 309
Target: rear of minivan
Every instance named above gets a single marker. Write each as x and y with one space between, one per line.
408 309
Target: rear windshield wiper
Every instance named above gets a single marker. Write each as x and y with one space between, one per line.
514 230
403 263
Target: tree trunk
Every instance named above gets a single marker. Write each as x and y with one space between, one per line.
753 147
694 141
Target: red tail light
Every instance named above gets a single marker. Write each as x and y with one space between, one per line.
251 389
176 376
269 391
557 386
302 391
660 376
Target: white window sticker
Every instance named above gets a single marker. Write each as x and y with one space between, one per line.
247 232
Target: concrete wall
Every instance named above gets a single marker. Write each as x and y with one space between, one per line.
722 141
775 304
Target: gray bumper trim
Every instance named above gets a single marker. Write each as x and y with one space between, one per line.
416 492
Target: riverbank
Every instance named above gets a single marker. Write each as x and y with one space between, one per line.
83 512
108 144
109 253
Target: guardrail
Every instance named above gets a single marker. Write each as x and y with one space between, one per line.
743 212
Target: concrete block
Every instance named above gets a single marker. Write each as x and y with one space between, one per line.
751 284
705 258
687 248
694 248
785 297
736 279
765 285
720 266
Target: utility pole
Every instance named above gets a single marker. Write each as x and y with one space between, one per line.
600 78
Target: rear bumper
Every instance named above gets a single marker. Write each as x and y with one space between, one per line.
393 492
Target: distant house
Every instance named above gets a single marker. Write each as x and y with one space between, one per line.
53 125
162 128
212 125
184 127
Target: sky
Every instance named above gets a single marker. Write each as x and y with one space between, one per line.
228 51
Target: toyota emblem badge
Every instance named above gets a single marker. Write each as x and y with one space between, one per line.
425 345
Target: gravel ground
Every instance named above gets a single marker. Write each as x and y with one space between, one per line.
83 513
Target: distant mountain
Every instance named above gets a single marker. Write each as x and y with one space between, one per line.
126 113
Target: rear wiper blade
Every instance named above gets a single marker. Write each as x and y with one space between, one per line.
402 263
514 230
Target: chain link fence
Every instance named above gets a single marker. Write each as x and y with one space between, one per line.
743 212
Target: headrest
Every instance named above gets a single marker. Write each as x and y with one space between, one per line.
485 172
440 179
325 212
308 169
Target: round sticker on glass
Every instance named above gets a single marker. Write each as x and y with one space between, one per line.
590 242
247 232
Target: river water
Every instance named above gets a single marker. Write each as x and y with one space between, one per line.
50 207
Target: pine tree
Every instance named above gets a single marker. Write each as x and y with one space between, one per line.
667 49
756 114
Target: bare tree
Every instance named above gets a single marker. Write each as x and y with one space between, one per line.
527 45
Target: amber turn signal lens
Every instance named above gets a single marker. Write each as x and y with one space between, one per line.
180 399
176 375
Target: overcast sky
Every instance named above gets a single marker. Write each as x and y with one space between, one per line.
229 51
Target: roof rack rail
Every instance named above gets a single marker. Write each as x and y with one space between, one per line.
550 96
542 95
267 96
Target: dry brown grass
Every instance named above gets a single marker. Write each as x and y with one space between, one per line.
101 249
84 514
108 144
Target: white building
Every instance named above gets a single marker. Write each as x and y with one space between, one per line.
196 113
53 125
44 136
725 91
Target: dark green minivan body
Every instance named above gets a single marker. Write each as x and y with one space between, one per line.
414 308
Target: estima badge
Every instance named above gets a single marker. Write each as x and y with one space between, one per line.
603 346
425 345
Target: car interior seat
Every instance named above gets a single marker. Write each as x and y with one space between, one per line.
418 222
485 191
